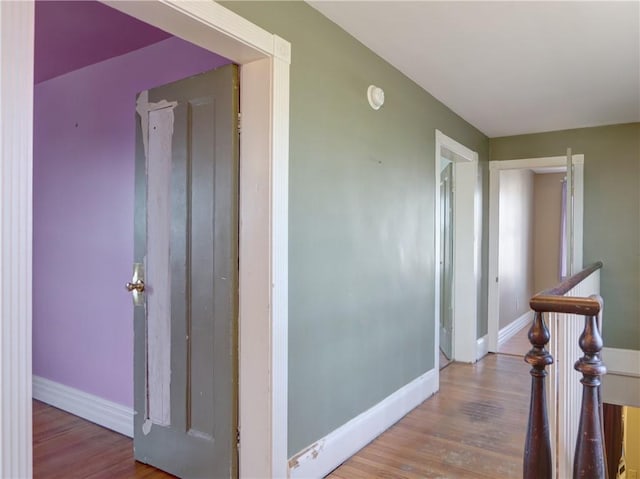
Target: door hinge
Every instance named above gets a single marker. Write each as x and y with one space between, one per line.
239 122
237 437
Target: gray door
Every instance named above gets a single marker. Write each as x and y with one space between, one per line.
186 242
446 261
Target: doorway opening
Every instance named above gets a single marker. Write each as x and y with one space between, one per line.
84 162
446 262
535 239
84 156
457 242
264 60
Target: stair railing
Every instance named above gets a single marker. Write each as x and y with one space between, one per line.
589 459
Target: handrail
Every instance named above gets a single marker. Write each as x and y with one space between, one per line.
589 459
552 300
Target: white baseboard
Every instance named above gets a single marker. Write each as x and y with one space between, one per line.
509 331
482 347
621 390
621 384
322 457
87 406
625 362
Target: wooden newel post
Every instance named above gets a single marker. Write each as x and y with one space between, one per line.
537 448
590 460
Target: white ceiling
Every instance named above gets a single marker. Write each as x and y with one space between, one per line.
509 67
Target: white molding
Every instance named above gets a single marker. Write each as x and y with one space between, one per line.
534 163
482 347
455 147
282 51
466 250
322 457
514 327
624 362
621 390
100 411
578 212
493 290
16 183
206 24
280 258
493 309
264 64
254 308
466 272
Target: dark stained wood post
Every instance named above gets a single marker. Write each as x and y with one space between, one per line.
537 449
590 459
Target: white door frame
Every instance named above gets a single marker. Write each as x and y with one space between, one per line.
494 222
466 244
264 61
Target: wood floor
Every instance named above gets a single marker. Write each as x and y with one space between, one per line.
473 428
518 345
67 447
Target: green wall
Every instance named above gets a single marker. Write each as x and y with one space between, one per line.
611 212
361 261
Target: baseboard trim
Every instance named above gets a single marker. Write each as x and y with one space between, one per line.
625 362
509 331
87 406
621 384
482 347
325 455
621 390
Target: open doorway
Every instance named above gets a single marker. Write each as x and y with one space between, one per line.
446 262
535 238
457 241
264 60
84 150
86 82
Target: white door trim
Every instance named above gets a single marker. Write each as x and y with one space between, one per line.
494 217
16 133
466 254
264 61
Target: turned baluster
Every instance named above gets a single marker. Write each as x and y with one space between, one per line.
590 460
537 449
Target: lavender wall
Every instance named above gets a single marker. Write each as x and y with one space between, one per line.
84 140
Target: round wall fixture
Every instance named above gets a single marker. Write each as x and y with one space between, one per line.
375 95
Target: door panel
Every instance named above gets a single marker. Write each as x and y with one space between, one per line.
446 261
567 268
187 235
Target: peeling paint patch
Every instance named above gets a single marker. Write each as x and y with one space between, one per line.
146 426
143 107
309 453
159 164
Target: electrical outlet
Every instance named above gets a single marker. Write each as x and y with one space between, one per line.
632 474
